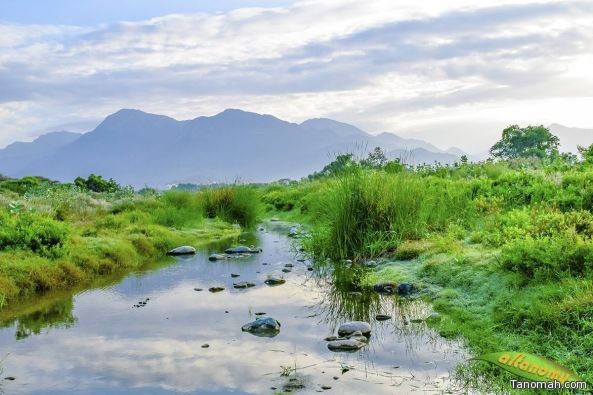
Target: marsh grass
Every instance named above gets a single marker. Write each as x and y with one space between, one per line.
366 214
57 236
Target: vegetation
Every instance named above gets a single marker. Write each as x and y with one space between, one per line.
504 249
59 235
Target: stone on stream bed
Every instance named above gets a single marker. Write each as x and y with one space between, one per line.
217 257
386 288
382 317
243 285
263 327
242 250
275 281
345 345
348 328
183 250
405 289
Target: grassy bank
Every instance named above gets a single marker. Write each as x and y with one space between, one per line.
503 250
56 236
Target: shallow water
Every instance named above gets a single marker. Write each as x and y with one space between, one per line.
97 342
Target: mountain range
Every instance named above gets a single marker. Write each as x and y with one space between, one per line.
139 148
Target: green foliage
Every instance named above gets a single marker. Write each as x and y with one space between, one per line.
376 159
343 163
95 183
33 232
368 213
237 204
517 142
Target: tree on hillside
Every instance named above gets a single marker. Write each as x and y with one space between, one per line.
339 165
517 142
97 184
376 159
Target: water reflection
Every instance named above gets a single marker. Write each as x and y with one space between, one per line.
99 343
55 315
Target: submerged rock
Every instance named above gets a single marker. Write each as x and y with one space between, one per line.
387 288
183 250
243 285
349 328
345 345
263 327
405 289
217 257
293 231
275 281
242 250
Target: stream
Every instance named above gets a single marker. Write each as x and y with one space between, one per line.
184 341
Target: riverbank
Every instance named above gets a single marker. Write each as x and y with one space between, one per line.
503 254
57 236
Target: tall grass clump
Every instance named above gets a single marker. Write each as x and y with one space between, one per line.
368 213
237 204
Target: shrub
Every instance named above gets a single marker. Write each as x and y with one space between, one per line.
549 258
233 204
30 231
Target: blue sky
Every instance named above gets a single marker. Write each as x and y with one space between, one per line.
93 12
453 72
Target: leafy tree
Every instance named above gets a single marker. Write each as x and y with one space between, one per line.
97 184
517 142
339 165
375 160
586 153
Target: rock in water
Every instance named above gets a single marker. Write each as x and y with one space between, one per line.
345 345
243 285
241 250
263 327
275 281
382 317
386 288
348 328
293 231
405 289
183 250
217 257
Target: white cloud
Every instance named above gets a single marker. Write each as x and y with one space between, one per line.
384 65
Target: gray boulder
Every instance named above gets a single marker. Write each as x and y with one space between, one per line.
345 344
349 328
275 280
183 250
263 327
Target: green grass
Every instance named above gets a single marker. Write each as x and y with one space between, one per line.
503 251
57 237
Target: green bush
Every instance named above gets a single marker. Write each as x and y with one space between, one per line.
233 204
367 213
549 258
33 232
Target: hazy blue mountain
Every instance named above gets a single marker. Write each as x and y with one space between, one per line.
571 137
15 155
138 148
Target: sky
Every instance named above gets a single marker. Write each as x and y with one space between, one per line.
454 73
